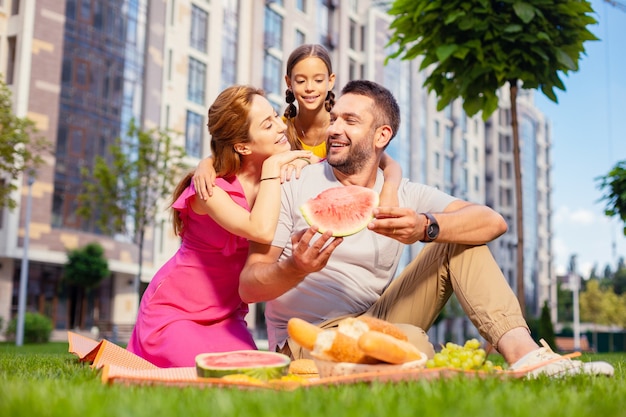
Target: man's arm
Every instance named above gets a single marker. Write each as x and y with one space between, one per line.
460 222
264 277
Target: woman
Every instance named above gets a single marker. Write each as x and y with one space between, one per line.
192 305
310 80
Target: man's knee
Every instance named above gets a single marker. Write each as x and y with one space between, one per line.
418 338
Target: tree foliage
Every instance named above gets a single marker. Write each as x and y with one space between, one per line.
86 267
473 48
123 192
602 305
21 149
613 185
546 327
476 47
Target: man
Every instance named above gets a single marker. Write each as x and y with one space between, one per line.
322 279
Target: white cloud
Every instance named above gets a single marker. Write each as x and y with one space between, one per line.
578 216
583 216
588 234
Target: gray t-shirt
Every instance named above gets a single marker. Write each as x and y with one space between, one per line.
359 269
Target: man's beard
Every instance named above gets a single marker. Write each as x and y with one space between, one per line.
354 161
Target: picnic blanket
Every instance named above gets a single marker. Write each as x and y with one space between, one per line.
120 366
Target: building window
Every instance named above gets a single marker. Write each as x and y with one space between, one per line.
199 28
84 11
230 43
436 128
193 134
197 81
10 71
301 5
76 142
300 37
81 74
272 75
352 42
169 65
352 69
464 150
505 143
447 139
273 29
15 7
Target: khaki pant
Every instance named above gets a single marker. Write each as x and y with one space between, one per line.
417 296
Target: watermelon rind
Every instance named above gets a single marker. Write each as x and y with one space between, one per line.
344 210
258 366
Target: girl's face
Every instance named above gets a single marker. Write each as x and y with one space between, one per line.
310 82
267 130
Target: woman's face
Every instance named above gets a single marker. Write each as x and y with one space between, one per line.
310 82
267 129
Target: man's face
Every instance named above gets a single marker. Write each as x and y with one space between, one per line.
351 134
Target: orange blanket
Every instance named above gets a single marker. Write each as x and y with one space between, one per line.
121 366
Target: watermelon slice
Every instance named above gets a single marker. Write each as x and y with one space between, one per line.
254 363
344 210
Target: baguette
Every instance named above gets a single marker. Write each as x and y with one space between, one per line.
302 332
387 348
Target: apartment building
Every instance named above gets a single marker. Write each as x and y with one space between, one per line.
82 69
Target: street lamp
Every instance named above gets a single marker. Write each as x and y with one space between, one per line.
21 304
574 284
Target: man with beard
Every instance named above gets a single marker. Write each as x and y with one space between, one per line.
323 280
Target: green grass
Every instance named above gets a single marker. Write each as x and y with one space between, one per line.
45 380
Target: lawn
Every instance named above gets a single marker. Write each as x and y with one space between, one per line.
45 380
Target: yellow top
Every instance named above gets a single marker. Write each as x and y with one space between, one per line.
318 150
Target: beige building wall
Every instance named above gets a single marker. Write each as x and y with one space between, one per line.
354 32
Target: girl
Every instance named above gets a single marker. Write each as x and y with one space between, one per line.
310 80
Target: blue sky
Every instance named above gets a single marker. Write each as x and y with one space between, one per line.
589 137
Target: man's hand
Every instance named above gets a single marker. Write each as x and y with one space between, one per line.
307 257
399 223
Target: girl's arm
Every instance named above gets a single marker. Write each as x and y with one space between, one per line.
393 176
258 224
204 178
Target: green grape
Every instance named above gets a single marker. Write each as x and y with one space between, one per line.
469 357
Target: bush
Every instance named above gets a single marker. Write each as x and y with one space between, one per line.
37 328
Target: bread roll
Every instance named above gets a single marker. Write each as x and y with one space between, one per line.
383 326
302 332
338 347
387 348
303 367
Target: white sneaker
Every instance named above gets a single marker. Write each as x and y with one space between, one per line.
544 361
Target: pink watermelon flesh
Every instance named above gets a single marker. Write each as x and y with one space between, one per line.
255 363
344 210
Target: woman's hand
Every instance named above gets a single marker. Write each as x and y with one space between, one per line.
286 172
204 178
284 164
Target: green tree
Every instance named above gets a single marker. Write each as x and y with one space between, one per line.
613 185
21 149
123 192
592 308
546 328
85 268
473 48
619 281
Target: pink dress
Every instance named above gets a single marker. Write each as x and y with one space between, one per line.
192 304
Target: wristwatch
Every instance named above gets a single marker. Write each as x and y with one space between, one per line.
432 228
